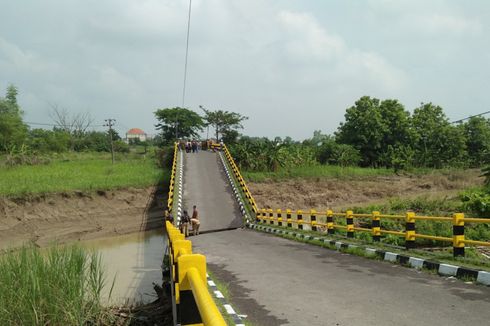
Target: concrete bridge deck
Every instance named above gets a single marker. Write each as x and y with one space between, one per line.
275 281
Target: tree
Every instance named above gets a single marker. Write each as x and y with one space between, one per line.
397 135
13 131
437 143
364 129
378 129
76 124
477 132
223 122
178 123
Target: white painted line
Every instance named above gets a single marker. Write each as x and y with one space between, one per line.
211 283
416 262
229 309
483 278
219 295
448 270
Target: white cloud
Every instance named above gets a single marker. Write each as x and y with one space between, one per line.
308 39
15 58
116 83
438 23
309 44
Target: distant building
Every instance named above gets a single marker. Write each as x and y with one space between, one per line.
136 133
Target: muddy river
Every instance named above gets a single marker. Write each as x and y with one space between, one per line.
133 262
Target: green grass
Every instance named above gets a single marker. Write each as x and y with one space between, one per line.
338 172
60 286
79 172
316 171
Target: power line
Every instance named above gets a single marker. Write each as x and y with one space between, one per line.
471 116
52 124
186 52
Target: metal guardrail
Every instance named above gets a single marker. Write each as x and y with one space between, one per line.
297 219
240 180
191 299
191 302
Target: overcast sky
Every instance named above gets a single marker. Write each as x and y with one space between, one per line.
292 66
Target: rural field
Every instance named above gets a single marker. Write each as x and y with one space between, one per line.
333 187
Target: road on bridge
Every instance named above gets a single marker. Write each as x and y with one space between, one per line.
206 185
275 281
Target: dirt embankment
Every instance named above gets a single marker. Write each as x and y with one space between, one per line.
79 216
321 194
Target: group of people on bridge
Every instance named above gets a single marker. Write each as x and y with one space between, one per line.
187 221
195 146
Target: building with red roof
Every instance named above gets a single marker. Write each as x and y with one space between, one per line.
136 133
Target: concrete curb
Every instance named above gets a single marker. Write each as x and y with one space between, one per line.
237 320
482 277
235 190
180 173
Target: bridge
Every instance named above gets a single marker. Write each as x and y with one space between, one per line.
273 280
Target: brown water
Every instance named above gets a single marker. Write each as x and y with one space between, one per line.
134 261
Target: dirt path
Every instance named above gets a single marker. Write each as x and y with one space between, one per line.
79 216
333 193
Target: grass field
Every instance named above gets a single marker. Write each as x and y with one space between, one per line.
316 171
80 172
61 286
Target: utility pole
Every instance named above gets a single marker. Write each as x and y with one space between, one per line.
110 123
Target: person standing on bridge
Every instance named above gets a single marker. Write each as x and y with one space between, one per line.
168 216
184 223
195 220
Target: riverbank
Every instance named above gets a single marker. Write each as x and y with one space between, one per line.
71 216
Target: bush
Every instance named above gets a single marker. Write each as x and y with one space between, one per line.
165 156
42 140
477 202
121 147
331 152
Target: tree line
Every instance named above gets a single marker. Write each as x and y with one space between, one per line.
69 132
375 133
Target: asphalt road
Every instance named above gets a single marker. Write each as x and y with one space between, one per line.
281 282
206 185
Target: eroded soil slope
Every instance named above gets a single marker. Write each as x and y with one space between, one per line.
335 193
77 216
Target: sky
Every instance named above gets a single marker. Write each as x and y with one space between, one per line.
291 66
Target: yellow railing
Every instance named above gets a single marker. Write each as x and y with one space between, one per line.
311 218
171 188
241 181
193 305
